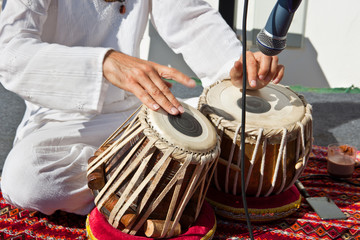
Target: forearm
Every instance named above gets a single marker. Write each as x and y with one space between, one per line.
54 76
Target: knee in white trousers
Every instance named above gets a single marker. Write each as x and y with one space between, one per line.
46 170
48 176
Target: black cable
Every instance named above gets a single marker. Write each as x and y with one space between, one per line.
243 115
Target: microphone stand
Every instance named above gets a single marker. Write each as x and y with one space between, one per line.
243 119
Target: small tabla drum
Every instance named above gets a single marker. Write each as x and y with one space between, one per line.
278 141
151 176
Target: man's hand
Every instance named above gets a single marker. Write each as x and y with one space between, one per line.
261 69
144 80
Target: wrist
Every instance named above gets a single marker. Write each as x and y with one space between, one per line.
107 62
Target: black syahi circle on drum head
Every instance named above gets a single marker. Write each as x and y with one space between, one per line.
190 130
255 104
186 124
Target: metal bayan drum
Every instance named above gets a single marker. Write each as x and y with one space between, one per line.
151 176
278 137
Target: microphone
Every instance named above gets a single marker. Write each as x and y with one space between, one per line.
271 40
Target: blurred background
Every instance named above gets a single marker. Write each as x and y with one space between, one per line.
322 42
321 63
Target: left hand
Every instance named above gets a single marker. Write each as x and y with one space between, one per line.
261 69
145 80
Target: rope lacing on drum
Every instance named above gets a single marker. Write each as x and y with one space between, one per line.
262 168
300 165
252 161
220 131
230 158
277 165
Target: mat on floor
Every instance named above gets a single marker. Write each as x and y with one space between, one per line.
17 223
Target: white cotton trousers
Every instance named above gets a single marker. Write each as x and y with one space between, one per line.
46 170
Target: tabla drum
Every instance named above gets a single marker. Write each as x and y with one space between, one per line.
151 176
277 144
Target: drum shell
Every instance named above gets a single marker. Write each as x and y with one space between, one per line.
272 151
268 169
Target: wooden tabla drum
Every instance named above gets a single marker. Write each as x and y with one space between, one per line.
151 176
278 138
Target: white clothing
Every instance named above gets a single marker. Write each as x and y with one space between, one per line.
51 54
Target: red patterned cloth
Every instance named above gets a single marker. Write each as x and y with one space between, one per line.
19 224
304 224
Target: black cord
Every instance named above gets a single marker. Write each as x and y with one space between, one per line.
242 164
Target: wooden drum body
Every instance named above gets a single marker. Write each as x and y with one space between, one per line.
155 171
278 137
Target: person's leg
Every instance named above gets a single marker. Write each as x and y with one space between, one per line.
47 178
46 171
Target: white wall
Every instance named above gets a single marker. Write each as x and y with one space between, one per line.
332 28
329 53
329 56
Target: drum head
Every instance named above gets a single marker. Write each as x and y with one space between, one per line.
190 131
271 106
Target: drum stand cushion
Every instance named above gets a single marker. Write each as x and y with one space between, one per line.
261 209
98 228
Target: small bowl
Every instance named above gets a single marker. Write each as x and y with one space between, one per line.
341 160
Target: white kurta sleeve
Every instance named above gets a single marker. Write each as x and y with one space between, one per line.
49 75
192 28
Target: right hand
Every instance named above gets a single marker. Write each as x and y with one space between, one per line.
261 69
144 79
